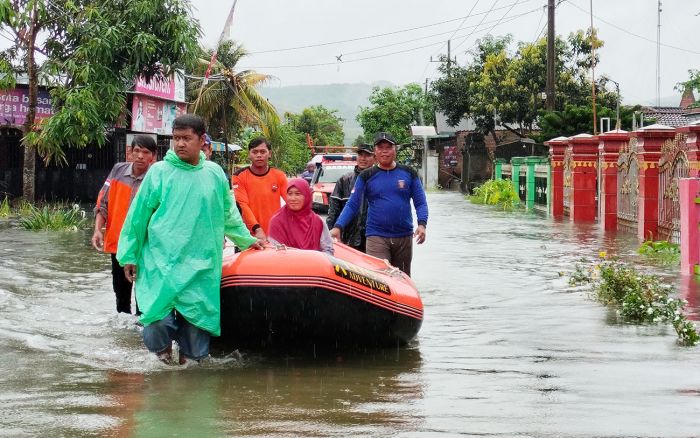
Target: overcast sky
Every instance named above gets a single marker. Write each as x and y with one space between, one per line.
628 28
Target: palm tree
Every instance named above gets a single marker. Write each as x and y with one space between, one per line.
229 101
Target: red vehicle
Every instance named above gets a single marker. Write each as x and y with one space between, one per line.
328 170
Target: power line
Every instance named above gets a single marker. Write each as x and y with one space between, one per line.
632 33
494 26
321 64
329 43
424 38
465 19
537 35
482 20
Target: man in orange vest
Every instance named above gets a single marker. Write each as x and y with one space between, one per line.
112 205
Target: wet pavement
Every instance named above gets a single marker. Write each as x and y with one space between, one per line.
507 348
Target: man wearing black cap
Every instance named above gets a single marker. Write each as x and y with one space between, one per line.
389 189
354 234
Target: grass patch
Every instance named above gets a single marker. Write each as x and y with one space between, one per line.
5 210
23 207
661 251
497 192
54 218
637 297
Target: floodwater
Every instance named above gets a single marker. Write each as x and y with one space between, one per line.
507 348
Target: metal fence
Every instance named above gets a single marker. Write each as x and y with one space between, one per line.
568 164
673 165
627 186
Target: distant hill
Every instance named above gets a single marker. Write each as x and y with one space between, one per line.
346 98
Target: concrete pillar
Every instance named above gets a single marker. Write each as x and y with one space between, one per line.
609 151
515 164
498 168
693 148
584 174
557 148
649 142
689 189
530 193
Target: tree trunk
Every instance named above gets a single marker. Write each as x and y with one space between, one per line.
29 166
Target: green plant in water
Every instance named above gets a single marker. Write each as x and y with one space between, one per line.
24 208
661 250
496 192
54 219
639 298
5 208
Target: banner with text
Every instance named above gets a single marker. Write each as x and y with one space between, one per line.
171 88
14 106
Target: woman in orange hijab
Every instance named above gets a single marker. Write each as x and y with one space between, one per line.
296 225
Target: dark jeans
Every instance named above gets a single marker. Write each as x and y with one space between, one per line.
122 288
193 341
397 250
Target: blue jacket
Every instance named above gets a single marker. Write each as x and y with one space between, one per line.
389 194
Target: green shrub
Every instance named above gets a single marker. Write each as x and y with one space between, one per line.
496 192
639 298
54 218
661 250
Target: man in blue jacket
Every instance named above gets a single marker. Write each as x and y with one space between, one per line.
389 188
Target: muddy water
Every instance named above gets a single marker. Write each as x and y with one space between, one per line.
506 349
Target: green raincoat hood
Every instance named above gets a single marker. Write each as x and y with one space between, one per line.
172 158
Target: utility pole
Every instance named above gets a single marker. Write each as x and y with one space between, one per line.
658 55
549 105
449 58
426 86
595 116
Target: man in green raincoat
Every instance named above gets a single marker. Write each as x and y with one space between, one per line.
171 244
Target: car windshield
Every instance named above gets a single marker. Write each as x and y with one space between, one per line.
327 174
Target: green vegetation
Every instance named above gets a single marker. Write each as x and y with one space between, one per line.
233 102
638 298
324 125
54 218
661 251
5 208
346 98
496 192
502 84
86 52
394 109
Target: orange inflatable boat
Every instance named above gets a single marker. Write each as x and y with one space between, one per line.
281 296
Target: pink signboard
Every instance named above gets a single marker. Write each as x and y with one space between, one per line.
154 115
14 105
165 88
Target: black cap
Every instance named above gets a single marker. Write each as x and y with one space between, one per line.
364 147
384 136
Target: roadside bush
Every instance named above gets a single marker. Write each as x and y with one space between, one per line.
638 298
498 192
